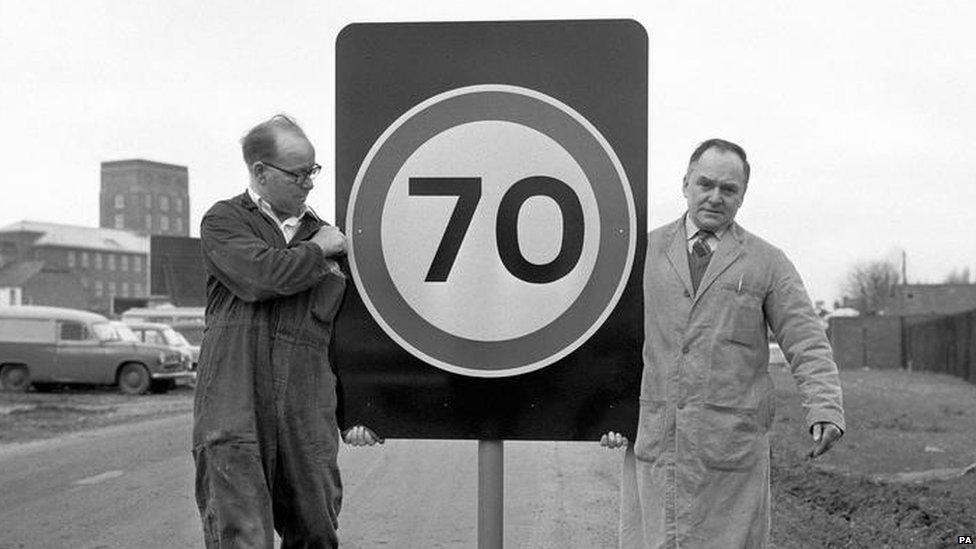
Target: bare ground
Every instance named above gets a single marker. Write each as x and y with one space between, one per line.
898 422
33 416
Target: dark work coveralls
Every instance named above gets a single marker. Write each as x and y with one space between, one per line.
265 432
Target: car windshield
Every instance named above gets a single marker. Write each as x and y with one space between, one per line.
174 338
104 332
124 333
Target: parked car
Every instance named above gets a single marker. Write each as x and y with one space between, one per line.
193 332
164 335
48 346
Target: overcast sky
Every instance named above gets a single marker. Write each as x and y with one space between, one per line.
859 117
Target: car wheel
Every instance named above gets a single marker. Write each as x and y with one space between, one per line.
14 377
133 379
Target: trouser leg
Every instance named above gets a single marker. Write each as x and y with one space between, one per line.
307 499
307 487
232 496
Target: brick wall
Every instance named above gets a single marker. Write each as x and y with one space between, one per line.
926 299
56 289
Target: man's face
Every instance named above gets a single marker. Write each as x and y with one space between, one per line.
285 194
714 187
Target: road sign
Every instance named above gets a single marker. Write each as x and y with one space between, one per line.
505 235
491 177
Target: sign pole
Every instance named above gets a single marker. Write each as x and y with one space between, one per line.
491 481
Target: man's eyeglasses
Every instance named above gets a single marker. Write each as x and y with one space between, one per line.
300 177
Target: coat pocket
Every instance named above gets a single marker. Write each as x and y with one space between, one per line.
728 438
327 297
651 431
747 324
736 356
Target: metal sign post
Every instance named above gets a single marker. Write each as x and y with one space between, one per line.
491 493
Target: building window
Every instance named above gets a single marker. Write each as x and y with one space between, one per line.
84 260
148 201
119 201
125 289
163 223
111 261
137 264
119 221
111 288
98 261
179 224
164 203
149 222
71 260
137 290
124 263
179 204
85 283
99 290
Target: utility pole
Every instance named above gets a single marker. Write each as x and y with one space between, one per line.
904 268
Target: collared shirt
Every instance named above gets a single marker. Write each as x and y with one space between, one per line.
691 234
290 225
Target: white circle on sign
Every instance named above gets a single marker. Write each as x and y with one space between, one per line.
480 299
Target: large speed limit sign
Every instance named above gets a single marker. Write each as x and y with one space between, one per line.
492 230
492 188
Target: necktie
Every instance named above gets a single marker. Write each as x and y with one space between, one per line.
701 247
699 257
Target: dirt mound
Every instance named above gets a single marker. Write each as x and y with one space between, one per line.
825 509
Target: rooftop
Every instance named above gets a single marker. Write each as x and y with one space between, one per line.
43 312
77 236
141 163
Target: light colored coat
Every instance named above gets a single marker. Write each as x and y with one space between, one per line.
701 473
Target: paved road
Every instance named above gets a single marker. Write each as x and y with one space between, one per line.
132 486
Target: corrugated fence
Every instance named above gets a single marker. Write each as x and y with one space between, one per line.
867 342
945 344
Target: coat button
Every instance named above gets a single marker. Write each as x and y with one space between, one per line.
685 350
687 294
681 405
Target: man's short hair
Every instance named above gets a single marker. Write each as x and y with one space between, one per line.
723 146
261 141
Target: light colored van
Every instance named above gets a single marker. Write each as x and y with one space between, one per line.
48 346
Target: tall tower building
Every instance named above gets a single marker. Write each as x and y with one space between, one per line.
142 195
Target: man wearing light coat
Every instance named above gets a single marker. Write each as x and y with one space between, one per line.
699 472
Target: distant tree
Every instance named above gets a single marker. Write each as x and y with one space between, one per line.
870 286
958 276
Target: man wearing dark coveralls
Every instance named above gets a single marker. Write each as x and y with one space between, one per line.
265 432
698 475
